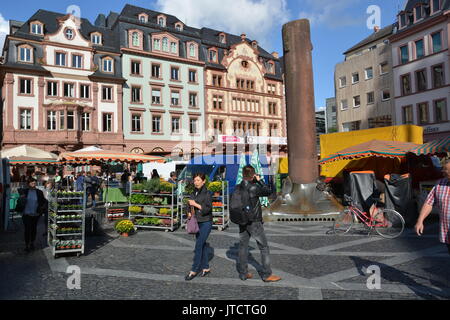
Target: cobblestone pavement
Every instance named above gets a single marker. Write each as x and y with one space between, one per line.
314 264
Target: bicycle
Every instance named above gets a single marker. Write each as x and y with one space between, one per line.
387 223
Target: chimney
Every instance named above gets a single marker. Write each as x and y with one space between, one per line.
243 37
275 55
376 29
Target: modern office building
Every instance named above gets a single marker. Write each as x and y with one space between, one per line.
364 84
331 115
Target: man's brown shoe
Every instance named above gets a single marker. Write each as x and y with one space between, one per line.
244 277
272 278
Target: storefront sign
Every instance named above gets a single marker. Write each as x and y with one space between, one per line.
266 140
431 130
257 140
230 139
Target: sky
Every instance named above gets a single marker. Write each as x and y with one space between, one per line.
336 25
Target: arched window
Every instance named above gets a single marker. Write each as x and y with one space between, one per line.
135 39
165 44
162 22
192 50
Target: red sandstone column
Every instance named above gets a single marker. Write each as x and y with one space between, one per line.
301 124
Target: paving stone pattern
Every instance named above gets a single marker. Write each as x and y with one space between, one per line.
314 264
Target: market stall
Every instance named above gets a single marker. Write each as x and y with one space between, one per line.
382 157
437 149
102 158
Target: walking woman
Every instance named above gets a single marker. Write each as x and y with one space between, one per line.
201 201
32 205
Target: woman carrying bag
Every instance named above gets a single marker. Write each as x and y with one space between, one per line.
32 204
201 203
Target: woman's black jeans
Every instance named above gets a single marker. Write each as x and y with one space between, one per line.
30 223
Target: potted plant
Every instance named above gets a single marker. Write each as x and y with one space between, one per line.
216 188
165 187
124 227
152 185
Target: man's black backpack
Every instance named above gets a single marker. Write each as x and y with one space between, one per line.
239 205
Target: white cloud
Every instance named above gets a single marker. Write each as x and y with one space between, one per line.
4 30
258 19
331 13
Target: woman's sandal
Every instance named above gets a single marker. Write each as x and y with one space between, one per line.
205 273
190 276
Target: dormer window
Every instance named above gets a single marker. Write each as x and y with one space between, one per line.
270 67
96 38
212 55
162 21
69 33
108 65
135 39
192 50
173 47
156 44
179 26
143 18
436 5
25 54
418 13
37 28
255 44
165 44
402 20
222 38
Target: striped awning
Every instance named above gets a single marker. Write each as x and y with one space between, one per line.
104 156
441 145
373 148
31 161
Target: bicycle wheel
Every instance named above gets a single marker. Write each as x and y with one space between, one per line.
388 223
343 222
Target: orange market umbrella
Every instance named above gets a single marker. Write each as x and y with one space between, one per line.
103 156
373 148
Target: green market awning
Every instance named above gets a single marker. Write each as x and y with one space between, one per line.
441 145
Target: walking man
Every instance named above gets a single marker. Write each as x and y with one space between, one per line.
253 184
439 195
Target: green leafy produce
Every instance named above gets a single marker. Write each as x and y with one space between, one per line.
152 185
140 199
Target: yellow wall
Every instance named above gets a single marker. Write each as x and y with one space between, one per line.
334 142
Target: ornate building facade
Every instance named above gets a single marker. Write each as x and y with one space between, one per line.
62 85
